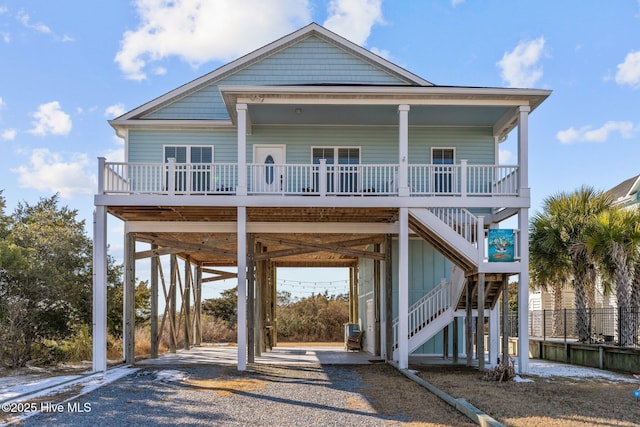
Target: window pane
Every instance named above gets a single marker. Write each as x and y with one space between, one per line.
348 156
178 153
322 153
442 156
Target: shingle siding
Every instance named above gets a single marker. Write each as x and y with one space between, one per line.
311 61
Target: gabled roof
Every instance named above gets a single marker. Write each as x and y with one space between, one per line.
310 30
625 190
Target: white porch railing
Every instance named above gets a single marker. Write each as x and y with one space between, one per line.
426 309
170 178
307 179
463 180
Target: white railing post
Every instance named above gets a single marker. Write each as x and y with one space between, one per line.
463 177
171 179
480 238
322 178
101 165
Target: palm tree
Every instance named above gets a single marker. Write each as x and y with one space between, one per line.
613 241
571 216
550 266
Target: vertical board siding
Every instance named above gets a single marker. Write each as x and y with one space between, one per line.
310 61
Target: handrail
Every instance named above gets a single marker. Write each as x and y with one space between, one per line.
460 220
426 309
308 179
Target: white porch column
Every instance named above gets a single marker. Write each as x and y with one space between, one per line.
403 289
241 190
523 294
242 288
523 146
403 141
100 289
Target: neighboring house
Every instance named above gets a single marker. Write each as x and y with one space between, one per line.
313 151
627 193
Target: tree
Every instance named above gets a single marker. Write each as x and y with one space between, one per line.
115 298
225 307
613 240
570 219
46 287
550 264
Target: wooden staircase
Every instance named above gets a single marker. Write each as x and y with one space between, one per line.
492 290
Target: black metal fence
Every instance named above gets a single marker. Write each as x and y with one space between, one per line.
599 325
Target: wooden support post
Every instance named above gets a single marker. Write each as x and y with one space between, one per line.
274 303
356 297
186 303
388 298
376 300
173 294
129 298
197 326
153 279
480 323
251 303
456 342
445 342
468 323
505 321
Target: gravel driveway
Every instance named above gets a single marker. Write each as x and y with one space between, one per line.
305 395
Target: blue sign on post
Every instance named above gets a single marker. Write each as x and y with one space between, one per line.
501 245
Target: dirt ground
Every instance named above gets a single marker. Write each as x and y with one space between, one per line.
548 402
552 401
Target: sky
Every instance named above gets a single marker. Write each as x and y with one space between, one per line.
68 66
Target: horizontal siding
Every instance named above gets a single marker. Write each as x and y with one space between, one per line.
146 146
311 61
379 145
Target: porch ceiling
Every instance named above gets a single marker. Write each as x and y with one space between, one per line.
286 249
381 115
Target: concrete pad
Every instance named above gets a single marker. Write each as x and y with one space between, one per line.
281 355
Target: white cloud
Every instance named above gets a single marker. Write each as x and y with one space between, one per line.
50 119
115 154
504 157
353 19
629 71
587 134
198 31
6 37
8 134
114 110
2 104
519 68
381 52
50 172
38 26
454 3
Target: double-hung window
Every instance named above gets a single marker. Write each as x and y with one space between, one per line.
443 176
192 167
342 168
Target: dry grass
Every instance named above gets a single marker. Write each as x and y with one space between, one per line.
551 402
229 386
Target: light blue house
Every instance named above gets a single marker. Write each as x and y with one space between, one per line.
313 151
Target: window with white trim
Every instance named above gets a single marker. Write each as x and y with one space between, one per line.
342 176
193 166
443 175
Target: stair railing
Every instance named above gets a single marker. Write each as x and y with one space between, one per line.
426 309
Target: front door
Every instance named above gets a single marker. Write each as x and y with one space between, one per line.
269 173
